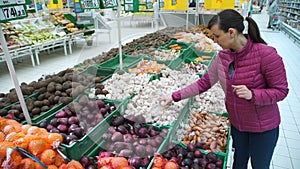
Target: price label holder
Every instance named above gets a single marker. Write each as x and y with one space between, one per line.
90 4
109 3
131 5
12 9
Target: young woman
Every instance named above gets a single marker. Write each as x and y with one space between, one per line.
253 78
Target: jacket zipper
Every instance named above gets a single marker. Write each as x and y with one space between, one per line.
233 94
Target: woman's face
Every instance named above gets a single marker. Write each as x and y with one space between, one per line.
221 37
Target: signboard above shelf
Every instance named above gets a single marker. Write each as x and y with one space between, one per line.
12 9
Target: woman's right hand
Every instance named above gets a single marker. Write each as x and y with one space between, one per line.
166 100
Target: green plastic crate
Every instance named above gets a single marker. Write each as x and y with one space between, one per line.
184 46
114 63
184 119
77 149
164 147
126 69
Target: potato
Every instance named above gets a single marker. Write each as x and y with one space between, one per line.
45 108
58 87
38 104
36 111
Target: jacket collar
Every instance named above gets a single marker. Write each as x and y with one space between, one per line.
246 49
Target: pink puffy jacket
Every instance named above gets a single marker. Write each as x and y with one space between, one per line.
261 69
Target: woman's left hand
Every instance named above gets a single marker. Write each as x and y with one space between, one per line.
242 92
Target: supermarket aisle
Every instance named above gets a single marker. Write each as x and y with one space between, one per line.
287 152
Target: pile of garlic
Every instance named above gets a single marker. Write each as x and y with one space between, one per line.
147 101
212 100
164 54
121 86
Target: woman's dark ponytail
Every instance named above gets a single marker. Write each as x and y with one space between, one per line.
253 31
230 18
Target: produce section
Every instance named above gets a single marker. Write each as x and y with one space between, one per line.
106 119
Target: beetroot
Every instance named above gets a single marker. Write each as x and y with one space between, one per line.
49 127
119 120
140 150
77 132
61 114
142 132
191 147
68 112
54 122
158 140
62 128
117 136
135 162
63 121
211 166
125 153
197 153
211 157
219 163
100 103
43 124
73 120
128 138
122 129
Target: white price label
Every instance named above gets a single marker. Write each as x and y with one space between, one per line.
90 3
12 12
11 2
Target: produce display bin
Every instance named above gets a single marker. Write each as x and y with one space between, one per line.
91 138
113 63
166 144
196 53
75 150
183 45
184 119
126 69
185 48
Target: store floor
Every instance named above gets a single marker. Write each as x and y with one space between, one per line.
287 152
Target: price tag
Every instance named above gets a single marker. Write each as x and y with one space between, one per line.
11 2
110 3
12 12
90 4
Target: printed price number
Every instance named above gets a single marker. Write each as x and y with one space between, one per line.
13 12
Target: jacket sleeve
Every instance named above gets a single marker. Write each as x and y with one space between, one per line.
274 74
201 85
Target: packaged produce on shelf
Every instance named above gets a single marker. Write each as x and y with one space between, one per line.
213 100
209 130
33 140
59 18
148 66
146 102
